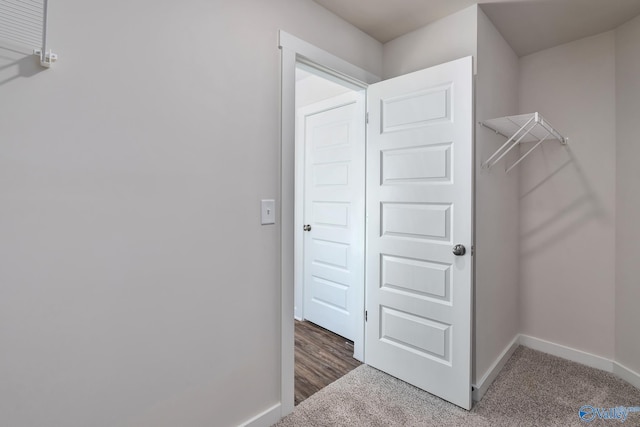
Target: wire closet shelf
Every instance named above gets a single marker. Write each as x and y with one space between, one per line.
531 127
25 22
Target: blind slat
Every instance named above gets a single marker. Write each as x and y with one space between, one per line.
23 21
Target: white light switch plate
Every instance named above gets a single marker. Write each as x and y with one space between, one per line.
268 211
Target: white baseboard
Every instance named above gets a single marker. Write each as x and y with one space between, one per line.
568 353
626 374
554 349
482 386
264 419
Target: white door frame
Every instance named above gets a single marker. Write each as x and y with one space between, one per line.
294 50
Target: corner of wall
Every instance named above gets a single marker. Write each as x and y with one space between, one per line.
447 39
627 239
481 386
497 208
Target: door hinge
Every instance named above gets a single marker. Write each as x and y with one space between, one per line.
473 250
365 315
366 119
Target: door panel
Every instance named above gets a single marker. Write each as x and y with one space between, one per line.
419 204
429 163
334 208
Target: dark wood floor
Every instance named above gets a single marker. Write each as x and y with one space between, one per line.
321 358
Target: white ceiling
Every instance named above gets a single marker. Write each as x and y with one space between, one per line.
528 25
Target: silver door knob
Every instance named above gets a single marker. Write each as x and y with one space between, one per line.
307 227
459 250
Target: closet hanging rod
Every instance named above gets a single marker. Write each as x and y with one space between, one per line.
530 127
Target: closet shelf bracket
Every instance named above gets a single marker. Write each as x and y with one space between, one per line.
46 58
531 127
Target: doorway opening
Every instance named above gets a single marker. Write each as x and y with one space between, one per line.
329 224
293 52
419 206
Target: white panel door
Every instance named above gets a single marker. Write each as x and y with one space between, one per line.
334 214
419 205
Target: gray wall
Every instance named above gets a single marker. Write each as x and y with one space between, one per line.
567 207
447 39
497 320
628 196
138 287
130 175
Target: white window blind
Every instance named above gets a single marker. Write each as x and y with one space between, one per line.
25 22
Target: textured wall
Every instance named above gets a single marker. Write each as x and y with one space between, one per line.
628 196
447 39
497 319
137 286
568 197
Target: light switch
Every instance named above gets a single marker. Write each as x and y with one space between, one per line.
268 211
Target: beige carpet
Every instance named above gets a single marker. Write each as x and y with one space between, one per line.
534 389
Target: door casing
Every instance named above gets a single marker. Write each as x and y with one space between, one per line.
294 51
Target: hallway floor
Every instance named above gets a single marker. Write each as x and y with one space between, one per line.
321 357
